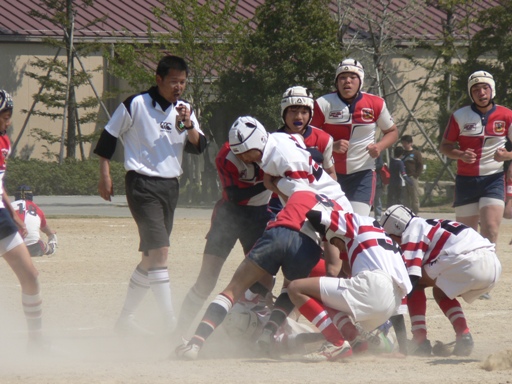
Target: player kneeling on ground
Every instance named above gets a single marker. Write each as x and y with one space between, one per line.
450 257
374 293
35 220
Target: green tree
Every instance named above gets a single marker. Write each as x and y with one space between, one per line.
491 48
61 79
293 43
207 37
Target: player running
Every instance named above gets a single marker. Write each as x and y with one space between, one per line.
450 257
352 118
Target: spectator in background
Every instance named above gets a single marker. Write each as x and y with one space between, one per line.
35 220
398 179
413 162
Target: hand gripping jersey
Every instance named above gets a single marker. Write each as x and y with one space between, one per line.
356 123
484 133
293 215
239 177
5 151
423 241
369 247
32 216
286 156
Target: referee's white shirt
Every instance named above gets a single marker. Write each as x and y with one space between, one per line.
153 145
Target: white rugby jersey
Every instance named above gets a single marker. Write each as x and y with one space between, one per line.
424 240
33 217
368 246
356 123
286 156
484 133
153 145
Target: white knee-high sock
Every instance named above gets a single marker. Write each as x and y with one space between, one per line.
137 289
32 306
161 288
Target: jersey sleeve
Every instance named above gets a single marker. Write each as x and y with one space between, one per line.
120 121
452 130
40 213
385 121
328 158
413 248
318 116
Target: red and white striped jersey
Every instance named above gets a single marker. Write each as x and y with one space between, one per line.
293 215
484 133
369 247
424 240
319 141
5 151
286 156
33 217
235 173
356 123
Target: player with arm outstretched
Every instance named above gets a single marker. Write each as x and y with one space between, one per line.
452 258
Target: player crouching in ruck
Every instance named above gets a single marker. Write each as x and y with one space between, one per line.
289 243
450 257
374 293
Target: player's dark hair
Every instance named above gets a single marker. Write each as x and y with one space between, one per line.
406 138
24 192
398 151
169 62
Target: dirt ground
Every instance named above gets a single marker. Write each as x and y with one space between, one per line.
84 286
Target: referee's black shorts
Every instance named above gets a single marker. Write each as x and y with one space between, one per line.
232 222
152 201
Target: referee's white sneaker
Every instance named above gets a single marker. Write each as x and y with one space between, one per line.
330 352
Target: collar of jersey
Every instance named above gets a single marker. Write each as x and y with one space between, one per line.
157 98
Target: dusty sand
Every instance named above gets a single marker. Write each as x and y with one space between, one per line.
84 286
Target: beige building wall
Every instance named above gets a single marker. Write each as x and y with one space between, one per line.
15 61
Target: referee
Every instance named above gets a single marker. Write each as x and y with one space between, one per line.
155 127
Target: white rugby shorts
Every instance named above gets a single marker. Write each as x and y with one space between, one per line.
370 297
468 275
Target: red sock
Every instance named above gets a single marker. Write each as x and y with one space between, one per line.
417 304
343 323
316 313
453 311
